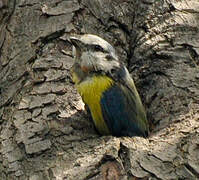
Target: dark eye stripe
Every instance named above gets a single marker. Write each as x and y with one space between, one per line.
95 48
98 48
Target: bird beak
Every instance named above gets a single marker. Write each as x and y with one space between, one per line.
75 42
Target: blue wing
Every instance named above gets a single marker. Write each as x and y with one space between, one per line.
121 113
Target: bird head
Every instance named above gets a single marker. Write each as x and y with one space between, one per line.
92 46
92 55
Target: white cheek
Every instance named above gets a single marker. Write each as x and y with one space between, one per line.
94 61
87 59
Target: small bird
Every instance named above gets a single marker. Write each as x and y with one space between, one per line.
107 88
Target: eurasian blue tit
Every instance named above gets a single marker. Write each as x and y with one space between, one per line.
107 88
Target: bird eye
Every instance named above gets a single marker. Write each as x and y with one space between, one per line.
98 48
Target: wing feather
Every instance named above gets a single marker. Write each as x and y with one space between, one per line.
120 112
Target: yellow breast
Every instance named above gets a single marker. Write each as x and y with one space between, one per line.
91 91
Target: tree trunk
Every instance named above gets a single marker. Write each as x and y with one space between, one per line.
44 131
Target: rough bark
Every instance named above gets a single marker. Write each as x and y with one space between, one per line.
44 132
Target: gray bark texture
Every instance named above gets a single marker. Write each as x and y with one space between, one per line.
45 133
